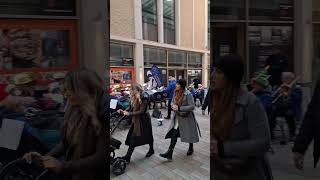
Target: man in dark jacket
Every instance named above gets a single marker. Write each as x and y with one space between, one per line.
309 131
196 83
170 91
206 104
278 63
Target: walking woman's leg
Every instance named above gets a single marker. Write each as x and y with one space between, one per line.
127 157
190 150
168 154
151 150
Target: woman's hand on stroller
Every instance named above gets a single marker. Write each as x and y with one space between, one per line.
52 164
33 156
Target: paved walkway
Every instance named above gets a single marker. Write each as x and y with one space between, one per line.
283 167
195 167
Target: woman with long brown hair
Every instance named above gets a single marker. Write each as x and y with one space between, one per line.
183 124
240 129
84 130
140 132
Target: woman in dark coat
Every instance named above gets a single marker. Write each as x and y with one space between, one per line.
140 132
183 124
84 130
240 131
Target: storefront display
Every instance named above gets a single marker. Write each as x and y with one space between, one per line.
121 75
37 45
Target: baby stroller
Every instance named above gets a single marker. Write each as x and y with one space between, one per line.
21 170
123 104
118 165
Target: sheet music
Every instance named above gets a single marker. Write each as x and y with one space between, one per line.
10 133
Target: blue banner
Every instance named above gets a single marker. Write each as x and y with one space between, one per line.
156 73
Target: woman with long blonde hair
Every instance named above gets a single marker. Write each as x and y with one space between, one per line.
84 130
140 132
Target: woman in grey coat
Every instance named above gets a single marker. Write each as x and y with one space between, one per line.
183 124
240 132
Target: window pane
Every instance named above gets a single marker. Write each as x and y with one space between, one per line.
169 21
177 58
149 20
316 10
154 56
121 55
227 9
266 41
194 61
38 7
271 10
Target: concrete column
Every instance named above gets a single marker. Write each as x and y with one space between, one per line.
303 46
303 40
193 24
178 22
160 21
205 70
206 14
138 19
94 35
139 63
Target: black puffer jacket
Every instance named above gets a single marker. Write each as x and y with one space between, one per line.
310 127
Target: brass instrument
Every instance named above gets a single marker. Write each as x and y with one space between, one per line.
284 90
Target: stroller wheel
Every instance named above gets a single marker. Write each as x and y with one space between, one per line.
119 167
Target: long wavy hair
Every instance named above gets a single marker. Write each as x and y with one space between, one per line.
87 87
179 93
135 99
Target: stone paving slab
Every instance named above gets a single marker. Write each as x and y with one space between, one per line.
195 167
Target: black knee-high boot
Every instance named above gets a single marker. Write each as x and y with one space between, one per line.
168 154
190 150
151 150
127 157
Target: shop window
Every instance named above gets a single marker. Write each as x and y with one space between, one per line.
153 56
121 55
227 9
271 10
121 75
265 41
32 45
194 60
169 21
38 7
177 59
149 20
